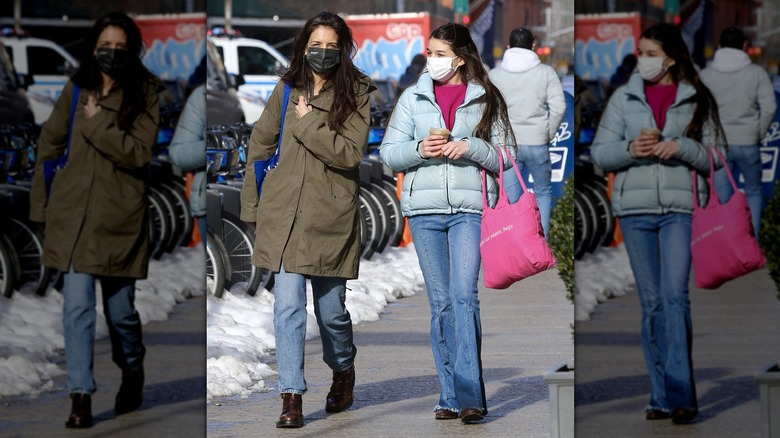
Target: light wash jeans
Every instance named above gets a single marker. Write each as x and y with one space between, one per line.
659 249
335 324
447 246
748 160
537 160
78 317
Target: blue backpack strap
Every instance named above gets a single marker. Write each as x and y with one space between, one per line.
73 102
285 101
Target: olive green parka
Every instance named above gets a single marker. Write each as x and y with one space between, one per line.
96 215
307 216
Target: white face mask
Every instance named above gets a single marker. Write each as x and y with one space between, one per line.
441 69
651 68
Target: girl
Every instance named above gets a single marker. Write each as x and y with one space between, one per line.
442 198
653 199
307 217
96 215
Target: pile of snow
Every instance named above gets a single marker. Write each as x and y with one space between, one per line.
241 331
31 333
599 276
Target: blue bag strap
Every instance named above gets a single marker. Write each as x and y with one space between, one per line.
73 102
285 101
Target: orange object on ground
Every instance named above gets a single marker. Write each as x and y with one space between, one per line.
196 239
617 238
406 238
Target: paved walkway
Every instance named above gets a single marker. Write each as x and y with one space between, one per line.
526 329
175 391
736 331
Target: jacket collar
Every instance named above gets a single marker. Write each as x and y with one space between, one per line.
114 98
636 88
425 88
324 100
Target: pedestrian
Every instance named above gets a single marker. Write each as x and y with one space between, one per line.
412 72
188 151
653 199
746 103
536 106
307 217
442 198
622 74
96 222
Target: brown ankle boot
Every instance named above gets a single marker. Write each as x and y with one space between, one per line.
292 411
80 411
340 395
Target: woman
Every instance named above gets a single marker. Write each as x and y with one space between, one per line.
307 218
653 199
95 215
442 198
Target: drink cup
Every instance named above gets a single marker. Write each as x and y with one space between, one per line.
651 131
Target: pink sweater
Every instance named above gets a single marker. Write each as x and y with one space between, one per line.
449 98
660 98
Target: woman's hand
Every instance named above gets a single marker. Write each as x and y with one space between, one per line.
642 146
302 108
431 146
91 108
666 150
455 149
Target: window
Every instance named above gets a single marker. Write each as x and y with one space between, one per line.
46 61
256 61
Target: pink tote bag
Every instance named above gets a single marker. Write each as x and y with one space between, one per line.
723 243
512 242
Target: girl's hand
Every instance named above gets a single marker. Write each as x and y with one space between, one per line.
666 150
642 146
431 146
302 108
455 149
91 108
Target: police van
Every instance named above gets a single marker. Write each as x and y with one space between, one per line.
258 64
49 65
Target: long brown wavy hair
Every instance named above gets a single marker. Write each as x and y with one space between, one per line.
345 77
131 78
459 39
670 39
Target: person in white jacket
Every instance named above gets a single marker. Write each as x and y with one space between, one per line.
536 105
746 103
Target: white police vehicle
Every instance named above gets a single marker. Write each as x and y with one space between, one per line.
257 62
48 64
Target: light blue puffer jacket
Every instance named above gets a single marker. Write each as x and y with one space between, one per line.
188 147
651 185
440 185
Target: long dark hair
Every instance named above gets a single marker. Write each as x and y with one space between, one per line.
459 39
670 39
130 78
344 77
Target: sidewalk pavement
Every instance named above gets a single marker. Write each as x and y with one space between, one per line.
174 394
526 330
736 331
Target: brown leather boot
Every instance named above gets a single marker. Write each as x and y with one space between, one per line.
340 395
130 395
80 412
292 411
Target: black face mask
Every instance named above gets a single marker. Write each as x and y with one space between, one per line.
111 60
322 60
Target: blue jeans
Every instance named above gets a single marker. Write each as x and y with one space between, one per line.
447 246
338 351
658 248
748 160
78 317
537 160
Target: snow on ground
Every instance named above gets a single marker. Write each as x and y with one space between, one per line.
241 332
599 276
31 333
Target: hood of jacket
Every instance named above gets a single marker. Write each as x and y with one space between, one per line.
518 60
729 60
